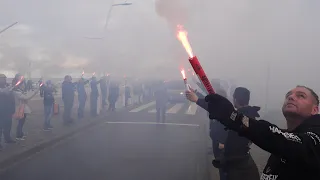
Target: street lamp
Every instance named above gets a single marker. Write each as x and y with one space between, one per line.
3 30
108 19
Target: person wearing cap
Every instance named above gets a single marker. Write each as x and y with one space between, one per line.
23 98
7 109
48 101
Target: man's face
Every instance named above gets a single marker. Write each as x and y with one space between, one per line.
299 102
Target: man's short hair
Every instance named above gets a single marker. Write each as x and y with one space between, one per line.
314 95
242 96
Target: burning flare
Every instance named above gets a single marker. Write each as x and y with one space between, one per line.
20 80
182 35
183 74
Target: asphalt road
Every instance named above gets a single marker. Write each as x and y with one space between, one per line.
128 145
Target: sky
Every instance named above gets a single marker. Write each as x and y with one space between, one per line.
267 46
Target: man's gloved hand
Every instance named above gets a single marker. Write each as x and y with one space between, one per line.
221 109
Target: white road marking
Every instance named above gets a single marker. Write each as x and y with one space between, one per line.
153 111
140 108
154 123
192 109
175 108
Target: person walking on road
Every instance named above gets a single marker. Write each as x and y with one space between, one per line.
161 96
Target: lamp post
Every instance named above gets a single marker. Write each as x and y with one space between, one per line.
6 28
102 38
108 19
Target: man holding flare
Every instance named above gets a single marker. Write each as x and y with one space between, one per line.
295 152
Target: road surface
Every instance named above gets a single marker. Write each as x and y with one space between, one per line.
128 145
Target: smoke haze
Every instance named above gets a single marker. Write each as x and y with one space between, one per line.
245 41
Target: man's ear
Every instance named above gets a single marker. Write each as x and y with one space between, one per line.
315 110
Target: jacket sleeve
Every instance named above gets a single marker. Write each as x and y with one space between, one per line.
202 103
29 95
298 147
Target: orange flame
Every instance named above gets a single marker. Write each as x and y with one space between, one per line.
182 35
183 74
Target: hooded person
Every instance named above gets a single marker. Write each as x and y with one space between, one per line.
236 160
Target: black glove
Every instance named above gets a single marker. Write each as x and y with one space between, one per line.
222 110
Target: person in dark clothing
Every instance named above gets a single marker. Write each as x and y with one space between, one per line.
68 89
7 109
41 89
103 88
161 96
48 101
113 96
127 95
218 134
236 160
94 96
295 151
82 97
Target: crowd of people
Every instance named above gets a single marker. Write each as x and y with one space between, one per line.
295 151
15 97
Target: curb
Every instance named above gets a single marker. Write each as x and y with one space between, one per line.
21 156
